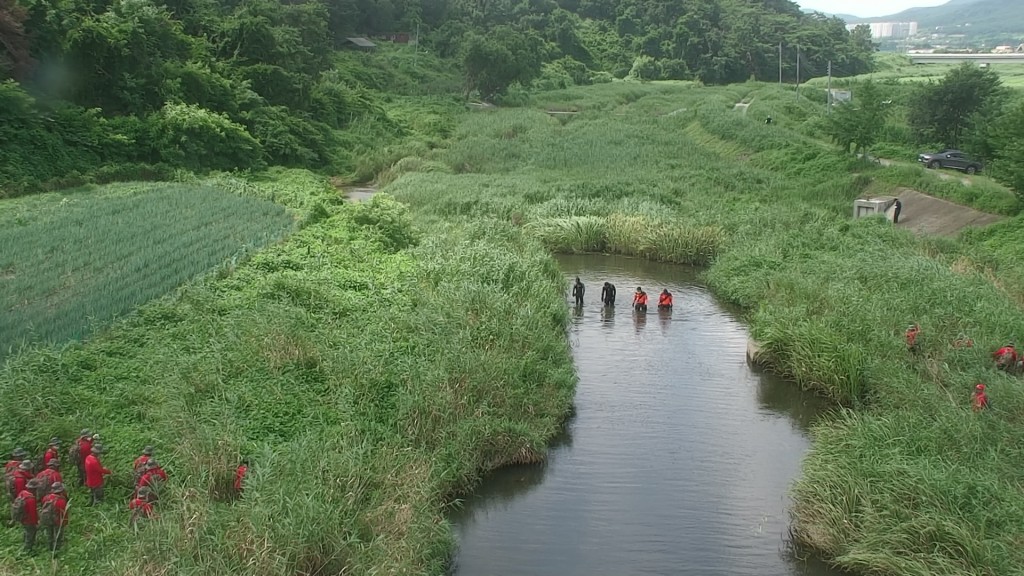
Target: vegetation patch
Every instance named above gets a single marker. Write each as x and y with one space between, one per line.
366 368
900 479
78 259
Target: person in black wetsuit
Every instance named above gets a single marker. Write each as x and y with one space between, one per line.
896 212
577 291
608 294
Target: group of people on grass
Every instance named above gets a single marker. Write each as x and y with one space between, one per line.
608 296
1006 359
38 495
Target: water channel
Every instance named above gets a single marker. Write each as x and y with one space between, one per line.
677 461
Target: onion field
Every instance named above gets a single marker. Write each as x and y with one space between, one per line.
70 262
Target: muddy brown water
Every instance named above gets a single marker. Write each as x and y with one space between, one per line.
677 461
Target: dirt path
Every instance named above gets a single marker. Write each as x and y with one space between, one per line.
923 214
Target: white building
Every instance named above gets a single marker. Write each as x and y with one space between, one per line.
894 30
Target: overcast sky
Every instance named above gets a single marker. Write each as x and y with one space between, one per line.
866 8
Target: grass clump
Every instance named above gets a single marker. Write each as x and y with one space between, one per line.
366 367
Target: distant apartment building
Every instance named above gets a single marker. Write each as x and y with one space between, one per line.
892 30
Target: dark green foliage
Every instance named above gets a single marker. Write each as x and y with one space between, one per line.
943 112
859 124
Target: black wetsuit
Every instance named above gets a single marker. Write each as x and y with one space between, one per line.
896 212
608 294
577 292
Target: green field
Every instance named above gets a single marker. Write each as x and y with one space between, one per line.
897 67
71 261
342 362
910 482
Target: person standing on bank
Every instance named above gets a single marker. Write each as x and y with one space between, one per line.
577 291
94 473
896 211
608 294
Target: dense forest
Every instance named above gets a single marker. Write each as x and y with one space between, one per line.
108 89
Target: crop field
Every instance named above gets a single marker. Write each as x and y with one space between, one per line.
72 261
908 482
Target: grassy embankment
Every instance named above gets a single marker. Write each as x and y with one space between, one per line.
910 481
343 362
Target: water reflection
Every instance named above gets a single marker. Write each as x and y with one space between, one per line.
677 462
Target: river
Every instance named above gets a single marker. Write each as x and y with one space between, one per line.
678 458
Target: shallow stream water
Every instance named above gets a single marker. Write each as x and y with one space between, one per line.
677 461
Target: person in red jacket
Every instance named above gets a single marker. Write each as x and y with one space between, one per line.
19 455
29 519
640 300
913 331
54 515
980 400
48 477
665 300
139 465
78 453
140 507
240 472
22 476
1005 357
151 478
52 451
94 473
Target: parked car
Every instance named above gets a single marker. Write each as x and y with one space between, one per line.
950 159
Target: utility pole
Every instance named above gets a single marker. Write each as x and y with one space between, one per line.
416 54
828 101
798 71
780 64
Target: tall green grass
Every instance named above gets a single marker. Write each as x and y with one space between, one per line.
364 365
888 488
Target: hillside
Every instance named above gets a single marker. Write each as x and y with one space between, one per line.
973 17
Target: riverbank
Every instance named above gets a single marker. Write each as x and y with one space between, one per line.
827 296
342 363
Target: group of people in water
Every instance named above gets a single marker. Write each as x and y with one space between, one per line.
1006 359
608 296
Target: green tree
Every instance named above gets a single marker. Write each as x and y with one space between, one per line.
857 125
1007 138
943 112
15 60
506 55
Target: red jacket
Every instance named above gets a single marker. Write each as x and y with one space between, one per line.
21 478
11 467
665 299
141 508
50 454
980 401
48 477
85 447
31 517
239 476
911 336
60 506
94 472
1007 352
640 298
140 461
150 478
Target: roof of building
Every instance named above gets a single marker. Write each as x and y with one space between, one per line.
361 42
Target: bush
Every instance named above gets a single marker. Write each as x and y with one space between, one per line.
200 140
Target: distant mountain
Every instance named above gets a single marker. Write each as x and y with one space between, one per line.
847 17
972 17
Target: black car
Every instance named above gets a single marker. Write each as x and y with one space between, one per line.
950 159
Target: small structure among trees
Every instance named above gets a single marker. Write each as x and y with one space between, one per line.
360 43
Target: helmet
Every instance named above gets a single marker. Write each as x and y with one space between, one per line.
20 453
25 465
148 450
144 491
57 487
97 448
54 441
34 483
150 464
85 432
54 463
95 437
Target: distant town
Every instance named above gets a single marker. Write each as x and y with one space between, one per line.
908 38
